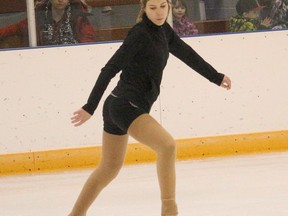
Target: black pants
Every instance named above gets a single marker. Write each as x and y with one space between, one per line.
118 114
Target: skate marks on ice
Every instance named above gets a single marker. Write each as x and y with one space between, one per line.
253 185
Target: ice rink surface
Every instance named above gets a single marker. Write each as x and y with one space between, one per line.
250 185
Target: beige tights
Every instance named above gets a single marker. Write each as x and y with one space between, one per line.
113 154
169 207
148 131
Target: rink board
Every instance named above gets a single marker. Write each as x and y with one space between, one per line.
190 148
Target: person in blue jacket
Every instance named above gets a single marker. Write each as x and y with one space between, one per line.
142 58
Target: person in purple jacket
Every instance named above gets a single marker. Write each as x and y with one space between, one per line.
182 24
142 58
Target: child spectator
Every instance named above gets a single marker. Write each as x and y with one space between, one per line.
57 22
182 24
248 18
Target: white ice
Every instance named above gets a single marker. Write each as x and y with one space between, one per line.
254 185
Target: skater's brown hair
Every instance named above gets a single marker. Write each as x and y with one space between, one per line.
143 4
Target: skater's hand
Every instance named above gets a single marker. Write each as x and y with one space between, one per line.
80 117
226 83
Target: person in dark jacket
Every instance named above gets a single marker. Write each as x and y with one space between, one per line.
142 58
57 22
248 17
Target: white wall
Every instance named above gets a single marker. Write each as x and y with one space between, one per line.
40 89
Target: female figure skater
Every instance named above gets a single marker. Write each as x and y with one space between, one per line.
142 58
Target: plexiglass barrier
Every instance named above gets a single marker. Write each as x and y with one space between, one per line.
69 22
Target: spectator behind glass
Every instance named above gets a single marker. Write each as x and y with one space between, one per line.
57 22
182 24
248 18
279 14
